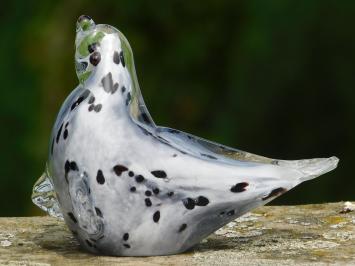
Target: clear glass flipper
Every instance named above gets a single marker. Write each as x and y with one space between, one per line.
44 196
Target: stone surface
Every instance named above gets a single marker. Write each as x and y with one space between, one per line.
320 234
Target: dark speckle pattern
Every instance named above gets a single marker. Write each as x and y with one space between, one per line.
67 166
189 203
156 216
91 100
95 58
82 97
98 108
240 187
148 202
73 166
139 178
119 169
92 47
202 201
128 99
122 59
156 190
65 134
148 193
125 237
182 227
133 189
108 85
116 58
98 212
130 173
100 177
59 133
159 174
126 246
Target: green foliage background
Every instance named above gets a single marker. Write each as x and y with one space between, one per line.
274 78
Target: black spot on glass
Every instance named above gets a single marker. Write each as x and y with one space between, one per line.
92 47
66 124
91 100
72 217
119 169
202 201
170 194
126 246
189 203
123 89
98 212
174 155
108 85
91 107
133 189
67 166
139 178
159 173
82 97
65 134
231 213
240 187
122 59
116 58
59 133
128 99
98 108
156 190
130 173
95 58
148 202
156 216
100 177
275 192
148 193
73 166
125 236
182 227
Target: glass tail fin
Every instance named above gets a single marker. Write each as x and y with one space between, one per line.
44 196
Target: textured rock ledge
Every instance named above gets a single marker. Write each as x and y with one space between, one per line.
319 234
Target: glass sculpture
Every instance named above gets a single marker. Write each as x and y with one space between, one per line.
127 187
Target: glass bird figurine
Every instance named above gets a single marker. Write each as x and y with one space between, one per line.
127 187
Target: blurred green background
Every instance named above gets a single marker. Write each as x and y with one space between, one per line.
275 78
